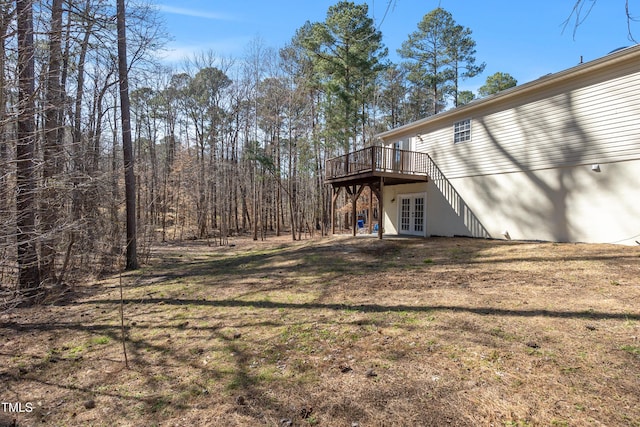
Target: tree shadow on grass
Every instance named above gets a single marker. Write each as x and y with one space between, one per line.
343 258
188 319
334 258
150 400
243 383
373 308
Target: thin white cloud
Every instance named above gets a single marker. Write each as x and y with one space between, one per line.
195 13
178 53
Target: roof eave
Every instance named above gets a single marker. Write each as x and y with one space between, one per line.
611 59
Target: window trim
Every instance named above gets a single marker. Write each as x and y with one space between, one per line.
462 131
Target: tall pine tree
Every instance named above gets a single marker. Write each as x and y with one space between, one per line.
347 54
439 53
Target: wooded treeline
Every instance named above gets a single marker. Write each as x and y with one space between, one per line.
222 146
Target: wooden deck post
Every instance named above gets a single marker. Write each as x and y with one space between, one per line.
380 206
354 211
370 213
346 164
354 193
334 197
373 158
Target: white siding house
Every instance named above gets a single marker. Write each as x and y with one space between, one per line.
555 159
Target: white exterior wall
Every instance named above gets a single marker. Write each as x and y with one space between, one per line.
527 168
572 204
447 213
391 204
571 124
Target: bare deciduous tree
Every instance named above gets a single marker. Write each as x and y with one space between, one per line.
52 150
26 203
583 8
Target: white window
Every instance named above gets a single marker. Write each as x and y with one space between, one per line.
462 131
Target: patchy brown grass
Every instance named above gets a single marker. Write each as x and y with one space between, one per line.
340 332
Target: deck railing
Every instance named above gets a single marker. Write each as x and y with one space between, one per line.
381 160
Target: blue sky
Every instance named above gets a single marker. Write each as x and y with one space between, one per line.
524 38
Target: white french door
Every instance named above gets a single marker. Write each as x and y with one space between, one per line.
413 214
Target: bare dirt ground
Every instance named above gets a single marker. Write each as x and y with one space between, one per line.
338 332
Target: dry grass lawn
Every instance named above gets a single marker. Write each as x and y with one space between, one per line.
339 332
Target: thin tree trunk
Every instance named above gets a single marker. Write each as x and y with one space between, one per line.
50 205
77 151
127 147
255 201
115 191
28 270
292 186
278 184
5 20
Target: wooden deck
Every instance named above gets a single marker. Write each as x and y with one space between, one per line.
395 166
375 167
